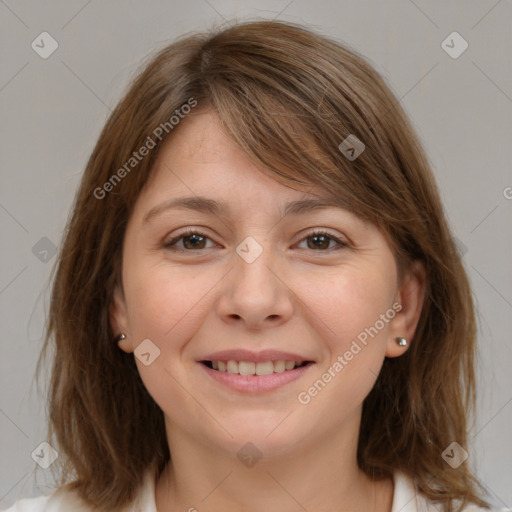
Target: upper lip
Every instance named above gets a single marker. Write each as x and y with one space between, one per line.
255 357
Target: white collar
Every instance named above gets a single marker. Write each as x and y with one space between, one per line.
405 495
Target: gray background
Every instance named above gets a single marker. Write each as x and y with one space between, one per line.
53 109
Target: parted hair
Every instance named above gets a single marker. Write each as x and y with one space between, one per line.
288 97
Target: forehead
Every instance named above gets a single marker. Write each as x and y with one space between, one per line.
201 160
200 137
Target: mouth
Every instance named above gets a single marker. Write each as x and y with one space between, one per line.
250 368
247 372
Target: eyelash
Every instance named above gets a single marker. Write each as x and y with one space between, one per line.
169 245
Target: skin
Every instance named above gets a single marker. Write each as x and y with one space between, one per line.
294 297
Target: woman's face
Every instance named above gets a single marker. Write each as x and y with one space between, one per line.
236 278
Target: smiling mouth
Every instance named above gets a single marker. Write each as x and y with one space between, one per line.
256 369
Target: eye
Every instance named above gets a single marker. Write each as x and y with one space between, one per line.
320 240
191 240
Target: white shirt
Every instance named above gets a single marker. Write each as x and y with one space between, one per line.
405 499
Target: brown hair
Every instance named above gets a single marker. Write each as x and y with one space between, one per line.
288 97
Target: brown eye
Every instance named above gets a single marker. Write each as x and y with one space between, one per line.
320 241
190 240
194 241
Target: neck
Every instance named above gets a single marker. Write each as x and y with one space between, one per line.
317 476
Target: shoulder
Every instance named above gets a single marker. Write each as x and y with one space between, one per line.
64 500
406 498
425 505
29 505
61 500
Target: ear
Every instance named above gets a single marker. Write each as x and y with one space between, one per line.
410 296
119 319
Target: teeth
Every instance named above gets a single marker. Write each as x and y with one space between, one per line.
251 368
279 366
232 367
265 368
246 368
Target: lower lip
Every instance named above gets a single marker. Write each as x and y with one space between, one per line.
256 383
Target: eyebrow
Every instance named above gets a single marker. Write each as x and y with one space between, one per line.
211 206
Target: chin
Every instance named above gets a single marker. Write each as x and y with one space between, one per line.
273 433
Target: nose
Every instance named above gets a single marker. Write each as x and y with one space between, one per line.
255 293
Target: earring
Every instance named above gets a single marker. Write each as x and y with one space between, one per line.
121 337
401 341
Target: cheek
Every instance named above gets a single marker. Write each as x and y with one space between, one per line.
353 309
167 305
165 301
349 302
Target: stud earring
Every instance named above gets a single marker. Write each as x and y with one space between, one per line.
401 341
121 337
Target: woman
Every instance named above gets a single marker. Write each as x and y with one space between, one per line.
258 304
